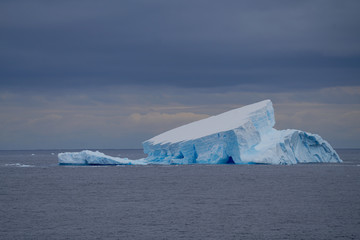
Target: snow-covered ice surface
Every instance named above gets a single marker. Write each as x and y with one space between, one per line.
240 136
261 114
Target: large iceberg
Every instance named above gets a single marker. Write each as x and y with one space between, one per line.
240 136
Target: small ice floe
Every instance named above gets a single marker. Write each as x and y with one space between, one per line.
87 157
52 153
33 154
18 165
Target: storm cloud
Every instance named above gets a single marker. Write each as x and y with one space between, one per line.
180 43
112 73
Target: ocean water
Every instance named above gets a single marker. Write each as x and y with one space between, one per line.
41 200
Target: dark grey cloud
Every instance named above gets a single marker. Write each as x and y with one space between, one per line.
264 45
111 74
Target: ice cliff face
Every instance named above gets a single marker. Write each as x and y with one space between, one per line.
241 136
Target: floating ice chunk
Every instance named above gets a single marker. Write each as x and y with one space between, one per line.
87 157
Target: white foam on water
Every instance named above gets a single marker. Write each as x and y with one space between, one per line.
18 165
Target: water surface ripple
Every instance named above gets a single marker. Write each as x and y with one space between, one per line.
41 200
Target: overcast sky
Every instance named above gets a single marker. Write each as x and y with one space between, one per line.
111 74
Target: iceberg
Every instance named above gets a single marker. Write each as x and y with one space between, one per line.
241 136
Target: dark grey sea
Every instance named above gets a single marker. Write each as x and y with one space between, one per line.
41 200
